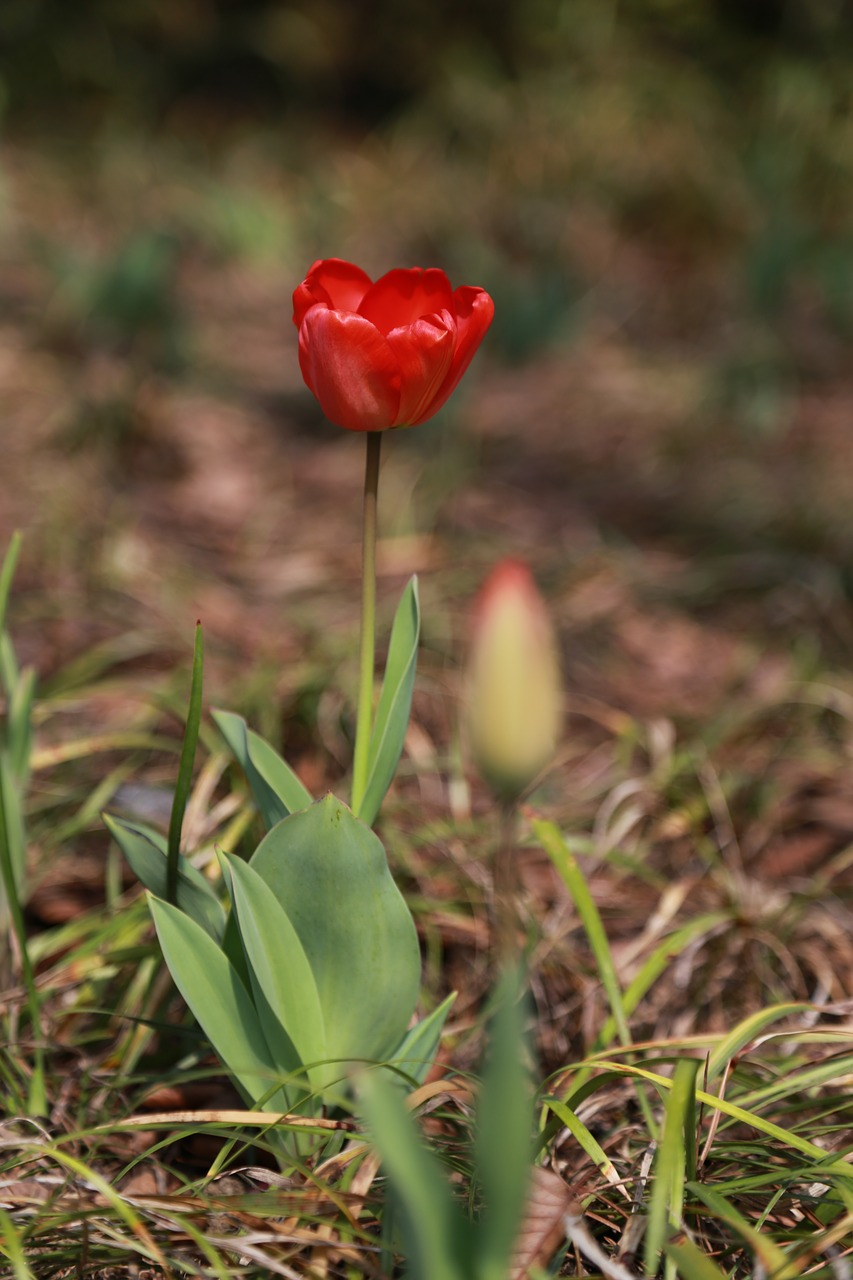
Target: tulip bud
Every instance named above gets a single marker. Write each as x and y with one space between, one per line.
514 687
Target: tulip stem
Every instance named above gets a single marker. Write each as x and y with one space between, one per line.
506 889
368 621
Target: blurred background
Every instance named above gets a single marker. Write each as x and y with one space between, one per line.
659 195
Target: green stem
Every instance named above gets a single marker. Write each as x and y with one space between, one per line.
368 621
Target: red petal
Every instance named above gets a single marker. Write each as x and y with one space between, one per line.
350 368
474 310
333 282
424 352
402 297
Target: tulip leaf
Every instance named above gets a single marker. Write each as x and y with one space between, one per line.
284 987
329 873
437 1241
145 850
395 703
416 1052
221 1004
13 835
504 1129
185 768
275 787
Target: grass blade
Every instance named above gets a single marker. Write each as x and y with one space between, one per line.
676 1163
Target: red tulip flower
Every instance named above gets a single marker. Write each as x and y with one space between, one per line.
389 353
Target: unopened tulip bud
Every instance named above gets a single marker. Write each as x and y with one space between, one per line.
514 687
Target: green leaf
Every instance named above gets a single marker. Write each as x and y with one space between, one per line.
221 1004
7 573
329 873
395 703
676 1162
15 832
416 1052
19 724
504 1130
276 789
185 769
584 1138
775 1261
431 1222
691 1262
145 850
746 1031
281 975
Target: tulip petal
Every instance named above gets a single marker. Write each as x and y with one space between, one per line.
474 310
350 368
340 285
424 352
403 296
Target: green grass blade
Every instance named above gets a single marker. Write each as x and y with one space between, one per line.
774 1260
19 732
745 1032
395 703
676 1160
570 873
185 769
828 1166
276 789
11 874
691 1262
7 573
11 1248
567 867
583 1137
655 966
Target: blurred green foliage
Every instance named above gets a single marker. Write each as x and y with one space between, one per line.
369 57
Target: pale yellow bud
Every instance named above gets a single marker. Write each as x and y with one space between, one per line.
514 687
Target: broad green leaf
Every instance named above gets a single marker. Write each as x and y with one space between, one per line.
416 1052
280 973
275 787
185 769
145 850
431 1224
221 1004
329 873
395 702
504 1131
